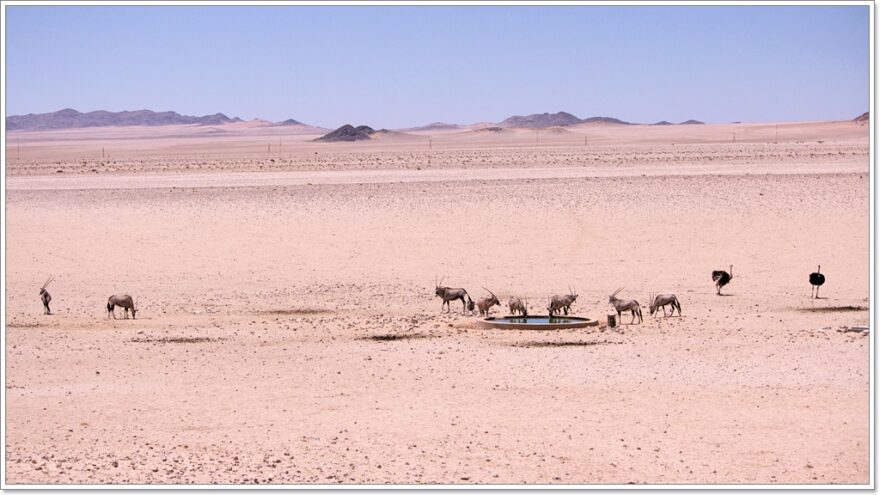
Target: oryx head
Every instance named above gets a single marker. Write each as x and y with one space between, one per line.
572 294
438 288
134 307
613 296
494 300
46 284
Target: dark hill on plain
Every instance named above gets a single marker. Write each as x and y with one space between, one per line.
71 119
863 117
348 133
540 120
291 122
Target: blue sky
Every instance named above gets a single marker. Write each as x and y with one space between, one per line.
407 65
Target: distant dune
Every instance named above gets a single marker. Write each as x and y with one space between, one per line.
662 122
692 122
604 120
70 119
434 126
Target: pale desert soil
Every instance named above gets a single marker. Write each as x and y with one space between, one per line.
288 331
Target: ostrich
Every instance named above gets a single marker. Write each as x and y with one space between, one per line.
722 278
816 280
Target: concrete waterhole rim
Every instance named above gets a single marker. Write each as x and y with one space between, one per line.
498 322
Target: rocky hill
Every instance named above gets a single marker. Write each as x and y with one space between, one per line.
540 120
348 133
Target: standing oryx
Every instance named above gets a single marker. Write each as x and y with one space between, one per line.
562 303
449 294
663 300
621 305
125 302
45 297
516 306
486 303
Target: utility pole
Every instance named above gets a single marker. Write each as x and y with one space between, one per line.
18 141
430 142
734 137
585 140
269 149
776 141
102 152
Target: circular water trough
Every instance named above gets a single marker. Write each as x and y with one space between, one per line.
536 322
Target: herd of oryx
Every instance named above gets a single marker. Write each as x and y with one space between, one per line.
556 304
562 303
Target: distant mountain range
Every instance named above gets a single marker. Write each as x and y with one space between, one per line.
561 119
70 119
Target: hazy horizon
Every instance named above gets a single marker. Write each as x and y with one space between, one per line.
407 66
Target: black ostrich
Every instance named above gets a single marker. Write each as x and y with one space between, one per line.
816 280
722 278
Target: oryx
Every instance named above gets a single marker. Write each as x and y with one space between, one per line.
517 306
663 300
629 305
562 303
486 303
125 302
450 294
45 297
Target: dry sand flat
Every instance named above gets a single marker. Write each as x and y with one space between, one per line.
289 333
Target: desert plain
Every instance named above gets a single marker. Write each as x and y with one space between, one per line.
288 331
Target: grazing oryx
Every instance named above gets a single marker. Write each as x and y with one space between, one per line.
449 294
124 302
630 305
517 306
562 302
45 297
663 300
486 303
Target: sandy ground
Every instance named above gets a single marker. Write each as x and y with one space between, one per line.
288 331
